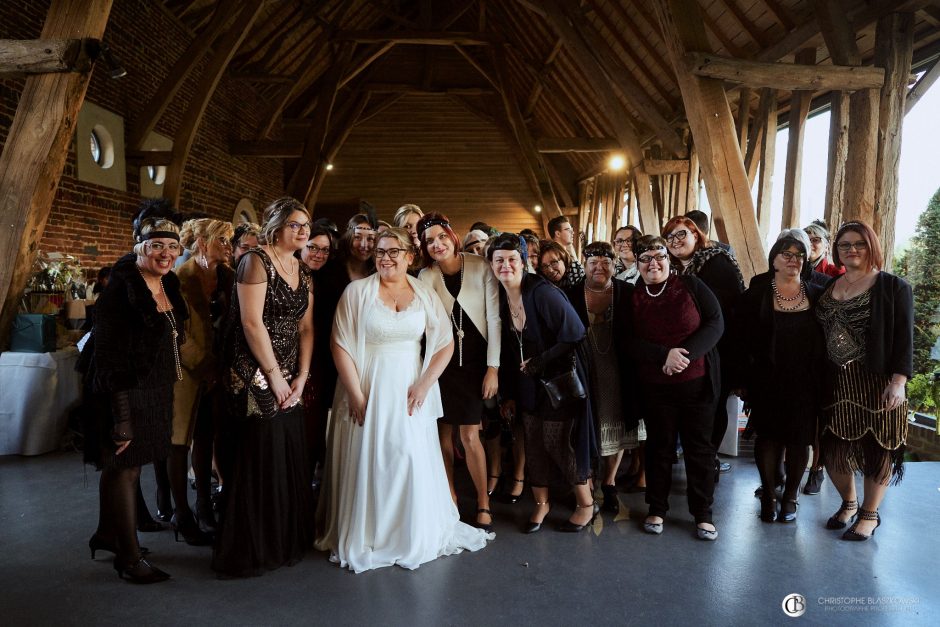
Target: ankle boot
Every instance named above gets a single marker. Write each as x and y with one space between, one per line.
189 529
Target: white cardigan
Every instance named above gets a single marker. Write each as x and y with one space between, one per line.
479 298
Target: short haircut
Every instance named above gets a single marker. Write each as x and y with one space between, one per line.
149 225
507 241
401 235
818 228
700 218
702 239
546 246
876 258
276 216
245 229
792 237
649 242
598 249
554 225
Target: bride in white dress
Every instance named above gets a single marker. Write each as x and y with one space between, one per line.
385 497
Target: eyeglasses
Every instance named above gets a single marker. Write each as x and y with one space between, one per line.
815 240
660 257
391 252
296 226
315 250
844 247
620 243
788 256
159 247
551 264
602 261
677 236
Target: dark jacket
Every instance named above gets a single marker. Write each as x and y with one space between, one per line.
754 339
622 328
704 342
889 342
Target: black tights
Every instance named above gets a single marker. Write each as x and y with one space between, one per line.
768 455
172 475
117 513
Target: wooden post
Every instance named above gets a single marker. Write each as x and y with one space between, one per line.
860 169
713 129
766 154
691 201
838 155
744 117
35 150
799 109
894 41
225 48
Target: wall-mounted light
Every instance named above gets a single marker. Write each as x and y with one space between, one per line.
537 208
616 163
329 166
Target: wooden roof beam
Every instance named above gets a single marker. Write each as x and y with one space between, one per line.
755 33
576 144
430 90
269 79
41 56
536 92
149 157
665 167
920 88
787 76
36 148
386 12
424 38
225 49
475 64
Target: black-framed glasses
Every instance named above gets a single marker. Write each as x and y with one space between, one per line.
645 259
297 226
391 252
620 243
790 256
551 264
815 240
677 236
860 245
315 250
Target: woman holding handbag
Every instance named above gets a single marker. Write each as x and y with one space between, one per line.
543 380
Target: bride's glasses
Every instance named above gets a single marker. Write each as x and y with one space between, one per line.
391 252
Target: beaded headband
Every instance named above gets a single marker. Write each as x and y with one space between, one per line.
428 223
598 252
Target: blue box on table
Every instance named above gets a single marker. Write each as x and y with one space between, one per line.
33 333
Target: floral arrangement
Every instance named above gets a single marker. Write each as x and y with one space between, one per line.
55 272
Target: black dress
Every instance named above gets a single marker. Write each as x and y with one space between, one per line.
267 515
462 385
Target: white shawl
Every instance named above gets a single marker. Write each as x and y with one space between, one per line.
358 298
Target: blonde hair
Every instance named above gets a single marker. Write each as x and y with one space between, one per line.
150 225
206 228
276 216
400 234
404 211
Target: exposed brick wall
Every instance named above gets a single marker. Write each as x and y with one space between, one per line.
93 222
924 443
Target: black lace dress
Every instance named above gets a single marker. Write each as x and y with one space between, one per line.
267 515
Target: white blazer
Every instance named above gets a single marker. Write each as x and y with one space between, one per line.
479 298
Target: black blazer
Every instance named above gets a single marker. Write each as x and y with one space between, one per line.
622 328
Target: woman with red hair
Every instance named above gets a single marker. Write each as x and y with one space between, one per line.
693 255
470 295
868 319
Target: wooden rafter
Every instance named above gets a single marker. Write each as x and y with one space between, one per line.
36 148
537 88
225 49
766 152
787 76
41 56
755 33
576 144
150 115
424 38
918 90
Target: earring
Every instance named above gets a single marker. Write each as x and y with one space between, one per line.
202 261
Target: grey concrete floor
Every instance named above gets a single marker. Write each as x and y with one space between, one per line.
611 574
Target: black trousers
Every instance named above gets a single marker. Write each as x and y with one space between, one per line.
680 410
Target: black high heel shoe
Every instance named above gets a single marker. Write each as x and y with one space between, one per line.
863 514
141 571
495 485
570 527
532 526
788 511
97 543
847 506
205 518
192 534
511 498
487 527
768 509
164 506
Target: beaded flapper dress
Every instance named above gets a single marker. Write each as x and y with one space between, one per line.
857 431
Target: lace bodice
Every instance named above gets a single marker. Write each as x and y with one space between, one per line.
385 328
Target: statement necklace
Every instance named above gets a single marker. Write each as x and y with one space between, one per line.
800 297
660 292
172 320
458 326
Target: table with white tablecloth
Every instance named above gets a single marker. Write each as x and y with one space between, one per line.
37 391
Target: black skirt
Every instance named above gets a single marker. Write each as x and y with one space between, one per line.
462 386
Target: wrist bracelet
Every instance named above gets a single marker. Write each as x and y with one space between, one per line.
269 370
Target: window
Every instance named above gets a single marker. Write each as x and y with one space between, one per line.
95 147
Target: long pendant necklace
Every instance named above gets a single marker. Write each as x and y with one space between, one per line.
168 312
609 312
457 325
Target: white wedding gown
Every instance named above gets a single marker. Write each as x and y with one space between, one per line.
393 503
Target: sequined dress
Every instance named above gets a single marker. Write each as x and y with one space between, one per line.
858 432
267 514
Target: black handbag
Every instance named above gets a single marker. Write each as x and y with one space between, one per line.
565 387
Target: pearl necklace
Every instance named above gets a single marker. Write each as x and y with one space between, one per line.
781 299
172 320
661 290
603 290
277 258
458 326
